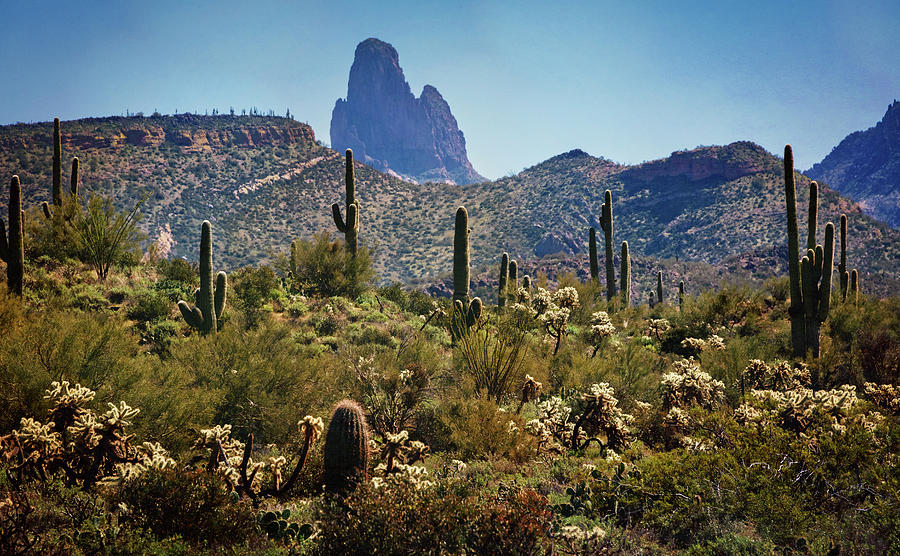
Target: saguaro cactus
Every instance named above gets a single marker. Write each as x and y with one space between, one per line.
504 274
818 264
513 282
681 294
350 227
606 222
842 266
795 311
73 179
526 282
592 255
626 275
464 314
659 288
12 251
346 451
209 302
854 285
57 164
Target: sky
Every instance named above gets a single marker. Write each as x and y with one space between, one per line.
630 81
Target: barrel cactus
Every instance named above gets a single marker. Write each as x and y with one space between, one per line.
346 451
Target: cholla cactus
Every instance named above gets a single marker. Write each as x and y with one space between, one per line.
658 327
79 445
687 385
575 540
595 411
566 298
556 322
541 301
601 329
399 450
799 409
781 376
530 390
885 396
699 345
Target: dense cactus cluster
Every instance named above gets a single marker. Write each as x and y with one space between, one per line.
209 299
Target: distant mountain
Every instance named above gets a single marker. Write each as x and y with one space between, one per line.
393 131
265 181
865 166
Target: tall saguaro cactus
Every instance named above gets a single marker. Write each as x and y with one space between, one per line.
795 311
592 255
504 274
210 302
350 227
659 288
810 277
12 251
57 164
606 222
465 314
842 266
626 275
681 294
73 179
346 451
854 285
512 284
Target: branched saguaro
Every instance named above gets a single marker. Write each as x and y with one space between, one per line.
465 314
210 301
606 222
350 227
810 277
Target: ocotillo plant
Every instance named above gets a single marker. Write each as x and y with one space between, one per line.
626 275
842 266
504 274
12 251
346 451
350 227
681 294
592 255
606 222
816 266
209 302
659 289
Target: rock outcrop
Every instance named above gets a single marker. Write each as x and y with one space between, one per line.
390 129
865 166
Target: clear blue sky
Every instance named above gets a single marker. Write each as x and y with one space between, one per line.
630 81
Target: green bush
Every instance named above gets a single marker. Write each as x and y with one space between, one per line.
324 267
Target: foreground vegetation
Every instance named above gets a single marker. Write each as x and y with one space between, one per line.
540 420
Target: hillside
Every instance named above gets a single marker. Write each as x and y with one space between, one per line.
263 181
865 166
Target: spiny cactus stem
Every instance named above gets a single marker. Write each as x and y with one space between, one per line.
795 311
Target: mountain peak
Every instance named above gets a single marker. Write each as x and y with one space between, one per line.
390 129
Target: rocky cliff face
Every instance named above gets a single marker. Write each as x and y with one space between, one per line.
865 166
186 131
390 129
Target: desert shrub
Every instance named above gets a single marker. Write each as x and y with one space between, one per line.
148 306
177 270
107 236
445 517
252 288
193 505
493 355
476 428
259 381
323 267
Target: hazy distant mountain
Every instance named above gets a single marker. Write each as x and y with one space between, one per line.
265 181
390 129
865 166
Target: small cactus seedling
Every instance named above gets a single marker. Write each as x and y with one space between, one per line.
346 451
210 300
349 227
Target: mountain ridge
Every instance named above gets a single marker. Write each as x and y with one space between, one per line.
261 196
